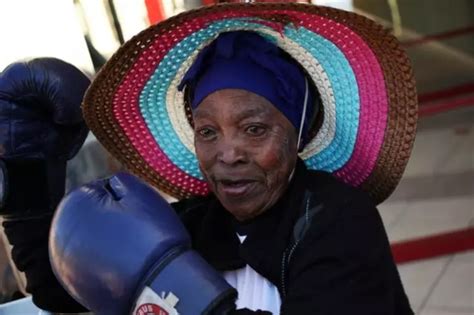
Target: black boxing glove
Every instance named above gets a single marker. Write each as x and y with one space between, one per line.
41 128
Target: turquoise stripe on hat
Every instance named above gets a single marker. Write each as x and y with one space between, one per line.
346 96
153 99
153 103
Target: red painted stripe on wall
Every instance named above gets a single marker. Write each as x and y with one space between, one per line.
433 246
439 36
439 107
449 92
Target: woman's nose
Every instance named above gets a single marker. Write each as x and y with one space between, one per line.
231 152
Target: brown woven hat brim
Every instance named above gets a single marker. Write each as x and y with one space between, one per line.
398 76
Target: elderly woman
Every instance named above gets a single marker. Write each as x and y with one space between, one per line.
279 127
288 239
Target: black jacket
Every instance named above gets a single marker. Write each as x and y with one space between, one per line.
323 245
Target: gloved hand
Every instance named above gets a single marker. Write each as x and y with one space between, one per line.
41 127
118 247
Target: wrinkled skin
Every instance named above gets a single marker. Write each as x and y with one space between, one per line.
246 150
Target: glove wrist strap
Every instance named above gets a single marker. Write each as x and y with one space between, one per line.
170 288
35 187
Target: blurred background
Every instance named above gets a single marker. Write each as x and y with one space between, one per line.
429 218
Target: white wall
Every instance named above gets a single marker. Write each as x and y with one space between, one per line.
32 28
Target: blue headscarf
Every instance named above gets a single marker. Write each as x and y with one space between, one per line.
248 61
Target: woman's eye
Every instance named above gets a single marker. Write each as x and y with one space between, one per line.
206 133
255 130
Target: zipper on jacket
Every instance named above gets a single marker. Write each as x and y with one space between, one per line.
288 253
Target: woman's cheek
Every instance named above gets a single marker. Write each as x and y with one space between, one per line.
276 153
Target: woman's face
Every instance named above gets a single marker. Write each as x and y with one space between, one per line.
246 150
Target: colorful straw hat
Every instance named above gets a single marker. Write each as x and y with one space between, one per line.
364 78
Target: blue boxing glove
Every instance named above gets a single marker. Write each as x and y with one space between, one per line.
41 127
119 248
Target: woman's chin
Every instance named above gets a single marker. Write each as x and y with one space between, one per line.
243 211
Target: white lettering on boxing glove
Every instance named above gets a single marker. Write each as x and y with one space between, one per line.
150 303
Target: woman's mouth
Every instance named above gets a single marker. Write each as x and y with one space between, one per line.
235 188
